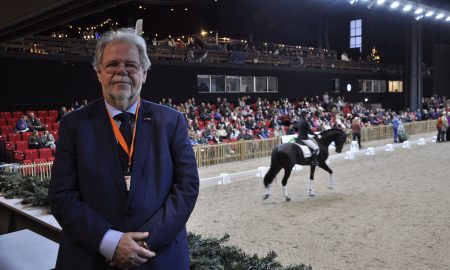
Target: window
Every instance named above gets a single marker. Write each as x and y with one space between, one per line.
356 34
217 83
233 84
372 86
395 86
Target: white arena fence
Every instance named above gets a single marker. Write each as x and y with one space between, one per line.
41 170
353 153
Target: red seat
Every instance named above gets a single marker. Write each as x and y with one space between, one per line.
55 134
26 135
50 120
39 167
22 146
11 121
31 154
6 129
42 114
55 126
14 137
53 113
17 114
45 153
5 115
41 119
9 151
51 159
2 145
47 126
19 157
2 122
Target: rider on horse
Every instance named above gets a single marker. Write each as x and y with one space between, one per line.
304 129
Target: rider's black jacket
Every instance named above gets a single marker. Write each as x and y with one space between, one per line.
303 129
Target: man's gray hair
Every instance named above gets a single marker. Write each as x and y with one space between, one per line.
122 35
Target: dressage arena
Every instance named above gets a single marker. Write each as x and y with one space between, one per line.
388 211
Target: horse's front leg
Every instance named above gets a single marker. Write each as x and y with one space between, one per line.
310 182
331 180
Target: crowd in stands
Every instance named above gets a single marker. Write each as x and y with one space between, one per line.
249 119
223 121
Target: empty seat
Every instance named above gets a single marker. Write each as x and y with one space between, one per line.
14 137
51 159
45 153
6 129
50 120
9 151
2 122
55 126
31 154
42 114
18 157
5 115
21 146
26 135
17 114
53 113
11 121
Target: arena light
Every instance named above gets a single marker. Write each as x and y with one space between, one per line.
407 8
429 13
380 2
395 5
418 11
439 16
448 19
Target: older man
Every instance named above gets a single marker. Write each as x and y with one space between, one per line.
125 179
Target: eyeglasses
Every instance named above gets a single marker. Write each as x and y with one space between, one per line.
130 67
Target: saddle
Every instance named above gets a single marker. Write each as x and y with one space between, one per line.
305 149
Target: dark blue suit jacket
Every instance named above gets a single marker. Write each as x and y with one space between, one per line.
87 191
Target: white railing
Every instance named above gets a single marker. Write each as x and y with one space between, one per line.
225 178
42 170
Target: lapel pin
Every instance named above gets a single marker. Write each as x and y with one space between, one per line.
147 119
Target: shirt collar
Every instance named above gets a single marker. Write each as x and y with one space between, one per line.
114 111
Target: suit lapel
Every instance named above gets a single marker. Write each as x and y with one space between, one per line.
105 136
141 155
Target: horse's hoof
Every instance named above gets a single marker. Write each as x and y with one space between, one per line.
288 198
265 196
311 193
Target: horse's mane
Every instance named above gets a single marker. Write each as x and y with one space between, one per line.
326 132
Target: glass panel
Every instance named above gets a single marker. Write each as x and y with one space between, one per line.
247 84
358 23
358 32
352 42
273 84
352 24
352 32
203 83
358 42
217 83
382 86
232 84
261 84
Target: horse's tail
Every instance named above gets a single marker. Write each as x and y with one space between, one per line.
274 167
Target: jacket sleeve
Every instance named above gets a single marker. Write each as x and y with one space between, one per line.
78 220
172 217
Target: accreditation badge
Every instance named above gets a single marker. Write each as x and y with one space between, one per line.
127 178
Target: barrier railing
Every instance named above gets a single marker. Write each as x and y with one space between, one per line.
41 170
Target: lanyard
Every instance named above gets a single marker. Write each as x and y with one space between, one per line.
120 138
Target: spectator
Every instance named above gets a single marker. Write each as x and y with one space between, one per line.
47 140
34 123
356 130
34 142
395 123
21 125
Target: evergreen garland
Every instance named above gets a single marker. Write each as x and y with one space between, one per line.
205 253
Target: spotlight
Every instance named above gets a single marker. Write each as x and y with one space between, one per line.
417 18
407 8
429 13
395 5
418 11
352 2
448 19
440 16
366 99
380 2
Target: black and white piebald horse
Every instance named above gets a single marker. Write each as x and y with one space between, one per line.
287 155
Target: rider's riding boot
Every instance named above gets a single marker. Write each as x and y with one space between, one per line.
314 160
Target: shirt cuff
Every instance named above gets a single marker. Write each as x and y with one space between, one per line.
109 243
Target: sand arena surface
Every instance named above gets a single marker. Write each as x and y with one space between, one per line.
388 211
